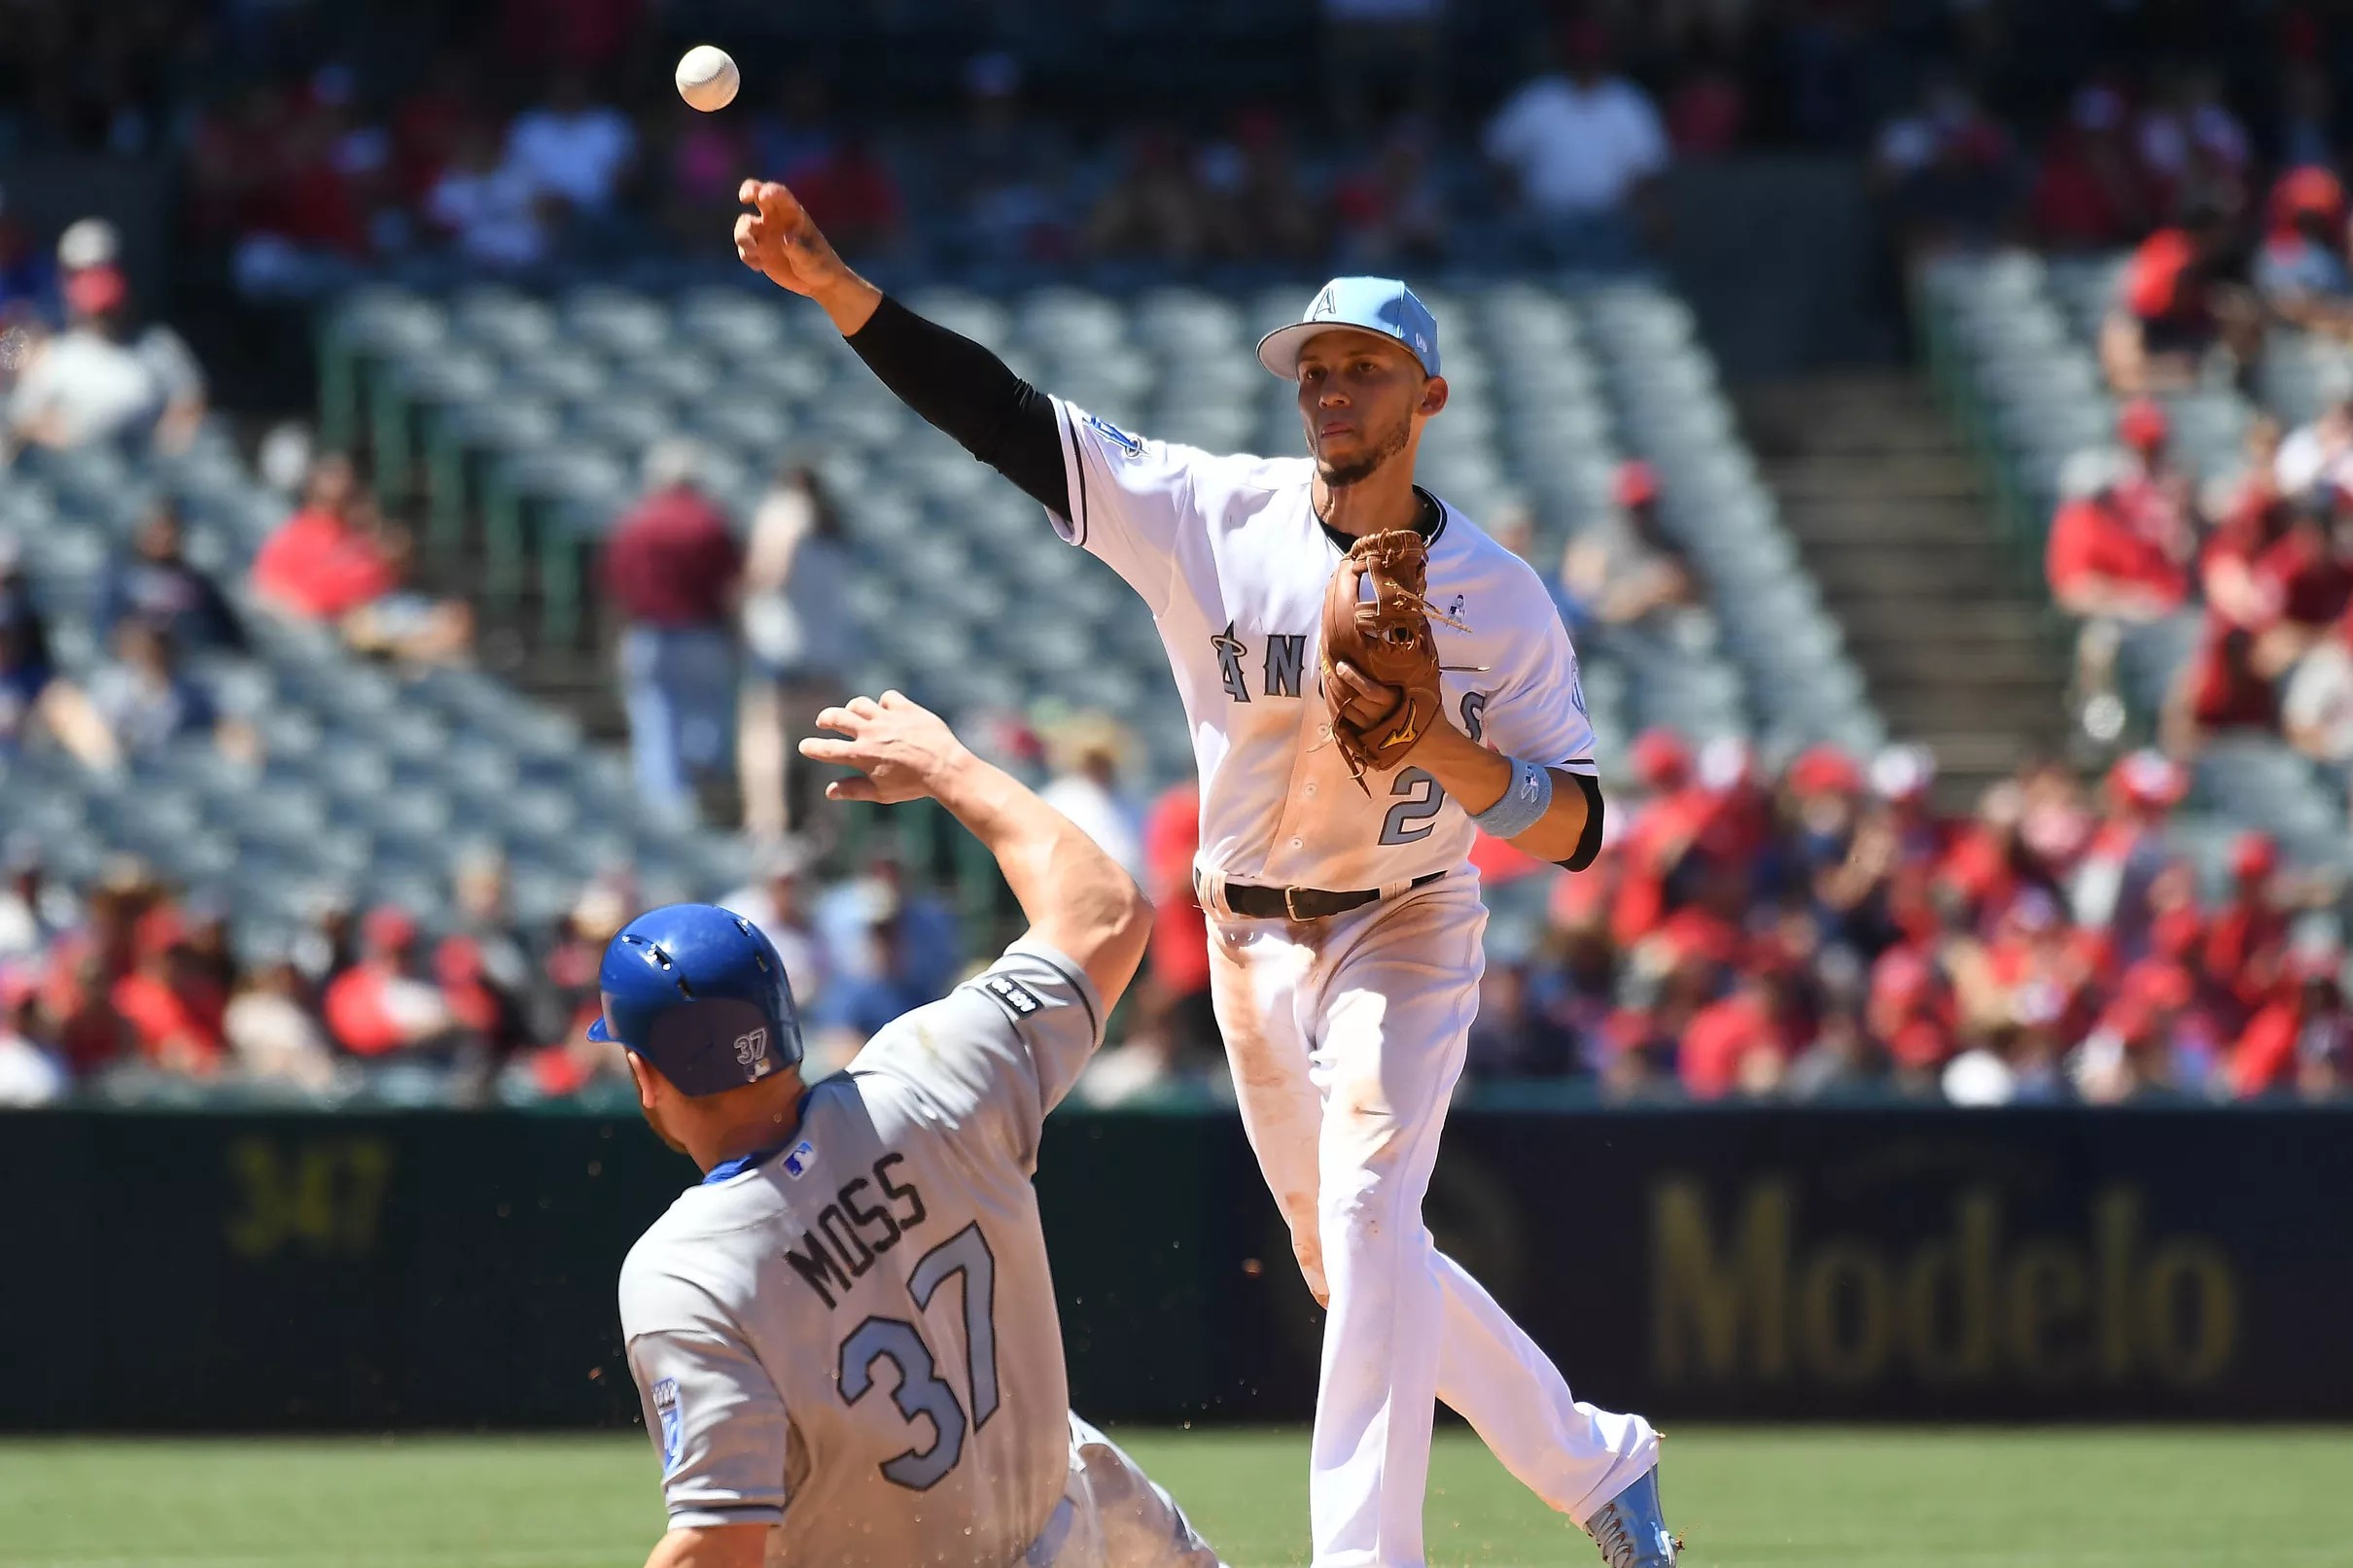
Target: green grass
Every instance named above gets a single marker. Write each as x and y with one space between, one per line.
2165 1498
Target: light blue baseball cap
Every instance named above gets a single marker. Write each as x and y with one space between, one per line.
1381 306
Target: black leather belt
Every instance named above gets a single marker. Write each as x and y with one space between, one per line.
1301 903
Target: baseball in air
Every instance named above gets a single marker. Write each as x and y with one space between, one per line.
706 77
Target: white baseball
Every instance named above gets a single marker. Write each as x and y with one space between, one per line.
706 77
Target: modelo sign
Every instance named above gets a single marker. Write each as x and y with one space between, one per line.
1919 1265
1742 1293
453 1271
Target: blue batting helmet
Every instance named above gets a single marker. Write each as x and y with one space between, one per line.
699 992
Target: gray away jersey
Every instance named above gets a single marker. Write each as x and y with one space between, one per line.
855 1340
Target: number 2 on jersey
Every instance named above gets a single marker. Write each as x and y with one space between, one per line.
920 1389
1416 816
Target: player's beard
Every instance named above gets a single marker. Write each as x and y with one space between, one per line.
1339 475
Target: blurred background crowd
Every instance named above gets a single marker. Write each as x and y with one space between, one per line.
314 140
1809 923
1824 932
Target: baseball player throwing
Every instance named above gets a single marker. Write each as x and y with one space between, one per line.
845 1337
1366 676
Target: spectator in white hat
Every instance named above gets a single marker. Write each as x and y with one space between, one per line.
88 242
100 380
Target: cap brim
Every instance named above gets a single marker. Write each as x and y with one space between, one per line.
1279 350
598 1033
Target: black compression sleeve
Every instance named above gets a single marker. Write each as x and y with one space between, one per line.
962 388
1589 842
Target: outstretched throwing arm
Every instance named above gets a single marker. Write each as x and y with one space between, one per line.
953 382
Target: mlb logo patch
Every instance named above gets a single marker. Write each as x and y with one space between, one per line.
1014 994
798 1161
666 1412
1132 446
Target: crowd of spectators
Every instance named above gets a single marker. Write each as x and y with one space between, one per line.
1818 931
1830 931
81 369
518 129
2260 559
2262 564
78 369
297 186
127 982
129 985
1825 933
165 626
315 139
2215 163
138 697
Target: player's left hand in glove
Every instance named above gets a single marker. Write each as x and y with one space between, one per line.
1379 663
904 750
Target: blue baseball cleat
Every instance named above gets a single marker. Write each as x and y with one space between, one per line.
1631 1531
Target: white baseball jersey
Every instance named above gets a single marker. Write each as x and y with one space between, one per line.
1229 554
854 1339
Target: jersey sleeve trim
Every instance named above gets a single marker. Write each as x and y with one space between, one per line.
1589 842
716 1515
1080 985
1073 463
1078 977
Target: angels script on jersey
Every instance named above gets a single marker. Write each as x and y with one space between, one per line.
1281 670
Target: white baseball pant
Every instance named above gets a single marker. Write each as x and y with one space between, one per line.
1346 1037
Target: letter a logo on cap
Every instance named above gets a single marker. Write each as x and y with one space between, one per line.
1323 306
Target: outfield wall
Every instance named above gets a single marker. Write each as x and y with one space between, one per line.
236 1271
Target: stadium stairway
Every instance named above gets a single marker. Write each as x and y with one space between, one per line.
1891 517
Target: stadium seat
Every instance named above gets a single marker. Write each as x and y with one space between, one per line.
731 323
1551 386
504 320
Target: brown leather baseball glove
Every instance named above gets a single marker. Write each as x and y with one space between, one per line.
1379 660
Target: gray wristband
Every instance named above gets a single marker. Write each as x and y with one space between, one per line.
1524 803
